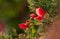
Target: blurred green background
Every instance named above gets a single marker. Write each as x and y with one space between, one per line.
12 12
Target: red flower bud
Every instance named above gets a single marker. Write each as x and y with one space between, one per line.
38 18
32 15
27 22
22 26
40 11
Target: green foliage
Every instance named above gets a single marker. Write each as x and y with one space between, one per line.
49 8
47 5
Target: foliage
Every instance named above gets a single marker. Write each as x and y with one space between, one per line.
44 10
47 5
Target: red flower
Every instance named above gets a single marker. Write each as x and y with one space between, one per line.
27 22
32 15
40 11
22 26
38 18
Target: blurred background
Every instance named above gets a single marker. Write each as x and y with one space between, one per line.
12 12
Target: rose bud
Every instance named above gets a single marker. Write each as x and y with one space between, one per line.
40 11
27 22
23 26
32 15
38 18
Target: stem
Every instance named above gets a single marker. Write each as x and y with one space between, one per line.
40 27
